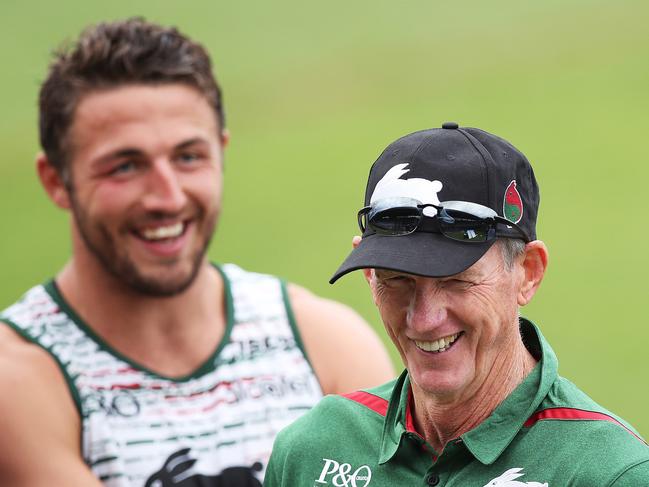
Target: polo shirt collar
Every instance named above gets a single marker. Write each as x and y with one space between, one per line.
491 437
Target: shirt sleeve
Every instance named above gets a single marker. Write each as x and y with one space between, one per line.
274 476
635 476
271 478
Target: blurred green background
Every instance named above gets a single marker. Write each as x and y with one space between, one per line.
315 90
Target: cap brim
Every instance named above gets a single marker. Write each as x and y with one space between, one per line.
420 253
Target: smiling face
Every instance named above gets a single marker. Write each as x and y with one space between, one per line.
454 333
145 188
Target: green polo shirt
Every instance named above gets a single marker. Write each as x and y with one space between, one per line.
546 433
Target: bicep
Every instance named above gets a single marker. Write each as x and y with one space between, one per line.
45 468
358 356
344 350
40 442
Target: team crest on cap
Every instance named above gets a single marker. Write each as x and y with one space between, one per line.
391 185
512 203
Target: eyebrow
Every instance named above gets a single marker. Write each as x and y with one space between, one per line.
387 273
190 142
118 154
134 152
123 153
465 274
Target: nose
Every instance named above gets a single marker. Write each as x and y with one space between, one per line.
164 189
428 306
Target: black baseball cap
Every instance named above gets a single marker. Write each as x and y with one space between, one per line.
450 163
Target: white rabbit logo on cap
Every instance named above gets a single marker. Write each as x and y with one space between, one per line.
423 190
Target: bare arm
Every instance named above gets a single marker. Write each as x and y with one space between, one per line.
40 442
344 351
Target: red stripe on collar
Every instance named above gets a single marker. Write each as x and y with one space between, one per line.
375 403
570 414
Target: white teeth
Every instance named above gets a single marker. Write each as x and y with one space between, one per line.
159 233
437 345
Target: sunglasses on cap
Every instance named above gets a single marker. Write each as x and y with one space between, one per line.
462 221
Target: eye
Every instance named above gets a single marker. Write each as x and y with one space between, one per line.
457 283
123 167
189 157
394 280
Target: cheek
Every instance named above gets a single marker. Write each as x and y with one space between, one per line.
390 321
495 320
393 324
496 300
206 187
392 302
108 197
393 312
507 300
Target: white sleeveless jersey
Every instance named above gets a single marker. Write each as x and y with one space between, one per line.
213 428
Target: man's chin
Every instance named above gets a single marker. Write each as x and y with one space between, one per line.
159 283
160 288
437 383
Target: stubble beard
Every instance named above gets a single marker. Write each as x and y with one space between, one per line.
103 247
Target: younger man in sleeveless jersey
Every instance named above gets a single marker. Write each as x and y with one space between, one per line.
140 363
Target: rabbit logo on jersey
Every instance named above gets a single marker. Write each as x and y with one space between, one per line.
343 474
507 480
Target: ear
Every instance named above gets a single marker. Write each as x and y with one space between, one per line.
356 241
535 262
225 138
52 182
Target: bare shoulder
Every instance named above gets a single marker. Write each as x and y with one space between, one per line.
344 350
24 364
39 419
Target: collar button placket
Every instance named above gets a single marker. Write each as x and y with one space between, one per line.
432 479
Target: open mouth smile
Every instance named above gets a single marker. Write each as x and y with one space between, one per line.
162 232
438 346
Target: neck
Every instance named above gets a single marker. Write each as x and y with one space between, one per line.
441 420
170 335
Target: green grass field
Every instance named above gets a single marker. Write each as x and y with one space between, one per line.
314 92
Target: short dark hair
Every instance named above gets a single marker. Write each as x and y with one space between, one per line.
111 54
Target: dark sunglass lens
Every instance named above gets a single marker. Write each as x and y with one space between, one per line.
395 221
466 230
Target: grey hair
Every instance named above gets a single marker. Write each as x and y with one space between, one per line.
511 249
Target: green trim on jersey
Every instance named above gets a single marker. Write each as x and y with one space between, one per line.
292 321
296 331
208 366
546 433
68 379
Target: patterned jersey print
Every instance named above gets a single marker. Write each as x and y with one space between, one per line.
215 427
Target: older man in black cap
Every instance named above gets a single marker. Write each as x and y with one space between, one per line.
449 250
